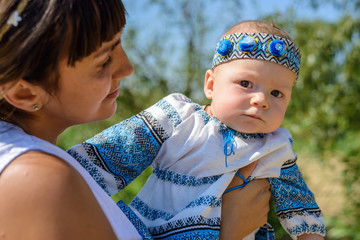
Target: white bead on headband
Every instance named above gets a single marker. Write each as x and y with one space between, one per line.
258 46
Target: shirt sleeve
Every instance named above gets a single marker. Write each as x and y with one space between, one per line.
295 204
119 154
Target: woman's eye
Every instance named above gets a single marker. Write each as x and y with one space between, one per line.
276 93
106 63
246 84
103 68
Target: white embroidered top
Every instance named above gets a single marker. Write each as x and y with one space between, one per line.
185 147
15 142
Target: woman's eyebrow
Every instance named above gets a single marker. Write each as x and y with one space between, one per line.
107 49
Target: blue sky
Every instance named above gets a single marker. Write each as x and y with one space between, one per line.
303 10
254 9
150 20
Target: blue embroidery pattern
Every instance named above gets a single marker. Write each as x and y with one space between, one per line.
180 179
245 136
126 148
154 126
210 201
292 198
89 166
153 214
195 227
266 232
139 225
170 112
148 212
95 158
304 228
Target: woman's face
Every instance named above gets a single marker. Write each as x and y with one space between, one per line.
87 91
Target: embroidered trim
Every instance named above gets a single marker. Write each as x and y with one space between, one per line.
258 46
181 179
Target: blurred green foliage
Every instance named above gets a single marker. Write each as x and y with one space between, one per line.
323 116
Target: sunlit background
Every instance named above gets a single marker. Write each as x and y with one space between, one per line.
171 44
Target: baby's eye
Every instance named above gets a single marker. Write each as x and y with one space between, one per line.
245 84
276 93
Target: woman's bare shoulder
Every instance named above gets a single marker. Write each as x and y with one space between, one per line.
42 189
38 173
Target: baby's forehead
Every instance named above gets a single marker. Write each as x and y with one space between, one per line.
254 68
241 28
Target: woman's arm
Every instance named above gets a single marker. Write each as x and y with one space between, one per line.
245 209
310 237
42 197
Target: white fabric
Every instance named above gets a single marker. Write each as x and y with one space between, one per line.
196 148
14 142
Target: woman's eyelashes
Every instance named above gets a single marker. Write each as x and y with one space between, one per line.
106 63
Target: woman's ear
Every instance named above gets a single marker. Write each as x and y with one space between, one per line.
24 95
209 84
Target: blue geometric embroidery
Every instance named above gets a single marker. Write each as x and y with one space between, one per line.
265 232
170 112
94 157
195 227
244 136
292 198
154 126
185 180
290 190
201 234
126 148
138 224
92 169
148 212
210 201
305 228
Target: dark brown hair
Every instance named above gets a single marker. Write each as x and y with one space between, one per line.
49 31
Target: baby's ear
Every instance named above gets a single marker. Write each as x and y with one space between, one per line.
23 95
209 83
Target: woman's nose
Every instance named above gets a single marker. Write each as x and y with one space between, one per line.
123 67
259 100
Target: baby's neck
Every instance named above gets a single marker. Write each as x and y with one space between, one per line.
207 108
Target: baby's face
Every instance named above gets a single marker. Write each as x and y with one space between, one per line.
249 95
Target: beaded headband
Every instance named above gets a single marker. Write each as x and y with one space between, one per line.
14 18
258 46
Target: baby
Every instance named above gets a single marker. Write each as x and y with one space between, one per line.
195 151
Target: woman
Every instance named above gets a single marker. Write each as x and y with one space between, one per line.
60 65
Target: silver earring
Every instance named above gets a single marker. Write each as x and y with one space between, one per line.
35 107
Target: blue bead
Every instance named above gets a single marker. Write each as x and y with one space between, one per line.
277 48
247 44
224 47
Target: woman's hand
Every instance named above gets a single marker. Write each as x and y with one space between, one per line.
245 209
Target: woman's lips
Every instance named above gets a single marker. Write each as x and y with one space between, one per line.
114 94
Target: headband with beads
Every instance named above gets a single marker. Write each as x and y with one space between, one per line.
258 46
14 18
